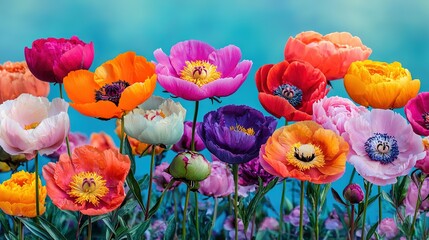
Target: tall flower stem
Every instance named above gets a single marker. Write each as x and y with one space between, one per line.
301 212
67 137
20 229
152 162
282 201
368 186
416 210
197 222
380 208
213 218
316 209
352 176
121 142
352 222
89 228
185 209
36 172
235 173
194 124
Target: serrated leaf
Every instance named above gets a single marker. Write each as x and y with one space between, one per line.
171 228
337 197
371 231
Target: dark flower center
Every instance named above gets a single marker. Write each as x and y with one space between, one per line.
111 92
382 148
291 93
426 119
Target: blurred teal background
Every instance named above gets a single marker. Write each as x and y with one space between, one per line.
396 30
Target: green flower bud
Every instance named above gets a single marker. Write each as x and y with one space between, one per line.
189 165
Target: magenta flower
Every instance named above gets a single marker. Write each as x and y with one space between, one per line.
417 111
196 71
382 146
51 59
411 198
184 143
333 112
161 177
220 183
353 193
388 229
423 164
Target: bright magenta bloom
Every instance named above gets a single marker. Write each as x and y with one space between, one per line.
417 111
196 71
423 164
51 59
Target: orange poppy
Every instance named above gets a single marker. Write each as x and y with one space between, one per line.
116 87
305 151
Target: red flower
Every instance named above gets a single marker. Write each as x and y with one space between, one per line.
289 89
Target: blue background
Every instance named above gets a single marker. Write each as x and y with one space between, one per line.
396 30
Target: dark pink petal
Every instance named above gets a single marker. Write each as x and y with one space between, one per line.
164 63
182 88
225 59
191 50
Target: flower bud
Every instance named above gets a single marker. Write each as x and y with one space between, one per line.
191 166
353 193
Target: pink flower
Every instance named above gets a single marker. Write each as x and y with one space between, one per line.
51 59
382 146
332 53
75 140
229 225
185 142
220 183
293 217
333 112
388 229
16 78
417 111
423 164
161 177
269 223
196 71
30 124
411 198
333 221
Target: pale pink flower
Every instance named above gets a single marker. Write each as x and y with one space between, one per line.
411 198
382 146
388 229
30 124
220 182
293 217
269 223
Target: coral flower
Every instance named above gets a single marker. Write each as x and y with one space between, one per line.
289 89
18 195
305 151
379 84
51 59
16 78
30 124
417 112
102 141
382 146
91 182
196 71
234 134
116 87
156 121
332 53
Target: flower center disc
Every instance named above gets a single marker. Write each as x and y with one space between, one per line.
291 93
31 125
88 187
426 119
111 92
305 156
239 128
154 115
199 72
382 148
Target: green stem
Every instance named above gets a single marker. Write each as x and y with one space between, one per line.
316 209
20 230
213 218
301 212
352 222
36 171
185 209
235 173
121 143
197 222
89 228
368 186
352 176
282 201
380 208
67 137
416 210
194 124
152 162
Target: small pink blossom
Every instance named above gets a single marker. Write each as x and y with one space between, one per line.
411 198
269 223
220 183
388 229
161 177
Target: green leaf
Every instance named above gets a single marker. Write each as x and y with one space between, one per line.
337 197
135 189
10 236
324 195
128 151
35 228
4 222
155 207
371 231
140 228
171 228
109 224
386 197
51 229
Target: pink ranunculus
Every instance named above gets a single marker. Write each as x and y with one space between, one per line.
185 142
411 198
332 53
51 59
16 78
196 71
382 146
30 124
161 177
75 140
220 182
388 229
417 112
333 112
423 164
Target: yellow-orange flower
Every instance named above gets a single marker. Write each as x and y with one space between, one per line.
18 195
305 151
380 84
116 87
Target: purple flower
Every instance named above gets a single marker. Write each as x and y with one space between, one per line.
51 59
220 183
185 142
156 231
161 177
388 228
229 225
196 71
269 223
75 140
293 217
249 172
234 134
333 221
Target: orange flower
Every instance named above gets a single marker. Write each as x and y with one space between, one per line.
16 78
116 87
379 84
18 195
102 141
305 151
91 182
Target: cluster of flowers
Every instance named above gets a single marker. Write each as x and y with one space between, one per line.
248 151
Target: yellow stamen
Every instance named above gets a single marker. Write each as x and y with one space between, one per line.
305 156
199 72
239 128
88 187
31 126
